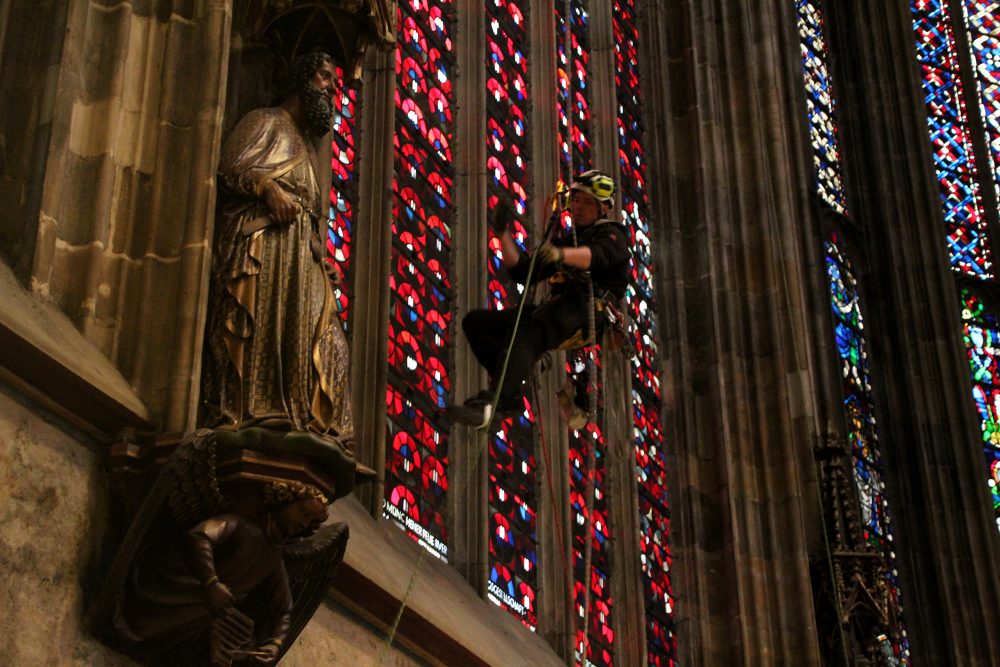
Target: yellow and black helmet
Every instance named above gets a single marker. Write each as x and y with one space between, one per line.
595 183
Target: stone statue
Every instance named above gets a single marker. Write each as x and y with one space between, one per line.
219 565
226 560
179 589
275 355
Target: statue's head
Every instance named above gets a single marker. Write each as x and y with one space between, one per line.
298 509
312 77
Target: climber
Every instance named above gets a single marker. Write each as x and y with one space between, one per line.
594 249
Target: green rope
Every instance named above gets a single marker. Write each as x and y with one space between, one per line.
384 653
510 343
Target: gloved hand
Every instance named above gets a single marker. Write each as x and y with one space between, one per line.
502 219
549 254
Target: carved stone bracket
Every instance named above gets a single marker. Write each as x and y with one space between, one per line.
224 561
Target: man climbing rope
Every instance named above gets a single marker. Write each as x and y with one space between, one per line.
595 250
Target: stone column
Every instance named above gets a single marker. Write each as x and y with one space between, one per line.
555 566
31 42
467 509
128 200
729 175
372 266
946 539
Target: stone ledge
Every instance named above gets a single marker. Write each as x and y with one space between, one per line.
445 620
44 356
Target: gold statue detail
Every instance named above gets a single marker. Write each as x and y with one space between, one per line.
275 355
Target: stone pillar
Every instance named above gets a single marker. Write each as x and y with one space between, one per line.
467 509
372 266
555 565
946 540
729 173
31 42
128 200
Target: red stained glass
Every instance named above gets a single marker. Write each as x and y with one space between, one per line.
512 496
661 645
421 298
343 194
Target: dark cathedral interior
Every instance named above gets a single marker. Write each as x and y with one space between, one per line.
241 245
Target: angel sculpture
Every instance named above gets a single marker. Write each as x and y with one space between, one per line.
197 582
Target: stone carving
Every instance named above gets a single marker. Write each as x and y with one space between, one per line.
854 612
225 560
276 355
342 28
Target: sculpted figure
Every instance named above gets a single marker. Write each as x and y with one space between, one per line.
188 582
275 354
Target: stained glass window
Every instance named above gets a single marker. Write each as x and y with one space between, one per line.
597 648
862 428
951 137
820 104
420 301
343 193
982 340
573 94
654 523
513 580
982 21
968 241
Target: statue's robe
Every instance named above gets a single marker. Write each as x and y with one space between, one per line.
275 352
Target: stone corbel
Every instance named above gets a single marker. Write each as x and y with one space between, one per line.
224 559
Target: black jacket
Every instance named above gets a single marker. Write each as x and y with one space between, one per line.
609 257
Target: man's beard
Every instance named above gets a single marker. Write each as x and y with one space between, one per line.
316 109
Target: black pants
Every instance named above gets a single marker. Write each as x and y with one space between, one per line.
542 328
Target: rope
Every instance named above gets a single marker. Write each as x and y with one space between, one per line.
383 654
474 460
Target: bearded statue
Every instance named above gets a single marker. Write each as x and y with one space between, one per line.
275 354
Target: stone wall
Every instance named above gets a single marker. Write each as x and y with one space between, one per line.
335 637
55 509
53 506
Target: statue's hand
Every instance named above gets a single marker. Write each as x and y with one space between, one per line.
267 653
219 596
282 207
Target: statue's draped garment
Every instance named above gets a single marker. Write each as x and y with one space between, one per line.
275 352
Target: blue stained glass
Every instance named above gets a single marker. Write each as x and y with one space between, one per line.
820 105
859 411
968 242
981 22
948 128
